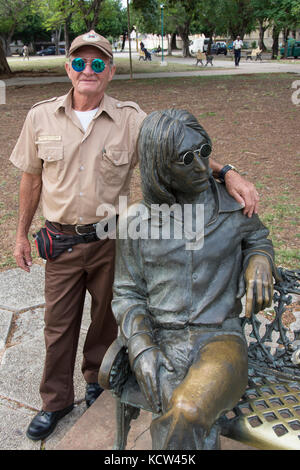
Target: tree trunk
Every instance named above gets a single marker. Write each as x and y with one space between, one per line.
7 41
123 41
210 35
169 44
56 40
286 33
173 41
66 34
4 67
275 46
262 30
184 34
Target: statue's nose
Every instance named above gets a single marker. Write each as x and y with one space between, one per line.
199 164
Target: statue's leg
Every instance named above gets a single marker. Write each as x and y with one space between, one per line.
124 414
213 385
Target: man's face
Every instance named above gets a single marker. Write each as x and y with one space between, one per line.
191 177
89 82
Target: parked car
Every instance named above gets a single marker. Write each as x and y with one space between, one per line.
219 48
198 44
50 51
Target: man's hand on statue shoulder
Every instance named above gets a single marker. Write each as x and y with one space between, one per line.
243 192
238 187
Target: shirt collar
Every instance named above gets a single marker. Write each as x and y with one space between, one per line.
104 106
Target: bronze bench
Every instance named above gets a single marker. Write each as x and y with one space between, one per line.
268 415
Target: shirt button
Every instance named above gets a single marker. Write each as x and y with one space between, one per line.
80 219
81 168
80 194
195 276
118 105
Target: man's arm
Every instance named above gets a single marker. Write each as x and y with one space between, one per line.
239 188
30 191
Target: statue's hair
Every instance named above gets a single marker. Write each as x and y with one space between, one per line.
160 137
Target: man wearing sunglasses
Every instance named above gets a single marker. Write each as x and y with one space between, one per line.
77 152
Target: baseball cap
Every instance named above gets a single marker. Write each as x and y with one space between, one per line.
92 39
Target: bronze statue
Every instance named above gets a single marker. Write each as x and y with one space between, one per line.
178 303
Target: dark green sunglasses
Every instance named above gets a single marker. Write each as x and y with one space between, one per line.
79 64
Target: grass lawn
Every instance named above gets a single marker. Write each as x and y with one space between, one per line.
55 66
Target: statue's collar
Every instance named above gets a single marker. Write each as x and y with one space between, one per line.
226 203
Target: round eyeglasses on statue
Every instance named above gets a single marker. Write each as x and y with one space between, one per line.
79 64
204 152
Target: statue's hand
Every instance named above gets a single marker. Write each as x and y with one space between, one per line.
146 369
259 284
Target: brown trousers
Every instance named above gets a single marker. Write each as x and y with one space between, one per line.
89 267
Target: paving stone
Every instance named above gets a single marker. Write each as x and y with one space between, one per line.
5 324
21 371
20 290
27 325
13 425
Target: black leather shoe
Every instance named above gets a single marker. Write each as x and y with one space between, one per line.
92 392
44 422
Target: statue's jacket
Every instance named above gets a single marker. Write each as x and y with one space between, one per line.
178 287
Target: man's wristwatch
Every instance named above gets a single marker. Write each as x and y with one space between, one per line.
222 173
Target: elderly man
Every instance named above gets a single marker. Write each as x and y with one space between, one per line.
178 303
77 152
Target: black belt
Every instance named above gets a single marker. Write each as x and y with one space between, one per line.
79 229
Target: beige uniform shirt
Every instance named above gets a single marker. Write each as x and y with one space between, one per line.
80 170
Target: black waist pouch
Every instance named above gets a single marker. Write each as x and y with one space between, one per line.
50 242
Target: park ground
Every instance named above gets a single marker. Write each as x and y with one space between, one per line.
251 119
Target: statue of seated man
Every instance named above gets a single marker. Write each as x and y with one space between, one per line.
178 304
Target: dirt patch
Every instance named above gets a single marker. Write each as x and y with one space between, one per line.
252 122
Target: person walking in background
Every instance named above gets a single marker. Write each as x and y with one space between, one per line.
237 47
25 52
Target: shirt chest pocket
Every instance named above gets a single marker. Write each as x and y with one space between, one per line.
114 166
53 161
